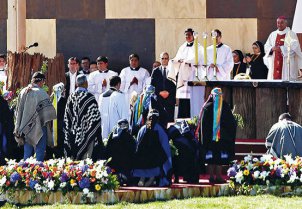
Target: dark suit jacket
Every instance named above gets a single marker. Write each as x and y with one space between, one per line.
67 86
157 81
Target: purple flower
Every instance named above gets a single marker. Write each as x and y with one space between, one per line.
278 172
84 183
15 177
109 170
232 172
32 184
84 168
64 177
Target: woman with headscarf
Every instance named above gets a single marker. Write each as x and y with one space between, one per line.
153 159
239 65
121 148
258 69
218 132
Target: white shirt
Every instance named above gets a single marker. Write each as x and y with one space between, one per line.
104 103
118 108
72 77
127 75
95 80
224 62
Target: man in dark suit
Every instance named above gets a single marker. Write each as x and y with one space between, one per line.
165 89
73 66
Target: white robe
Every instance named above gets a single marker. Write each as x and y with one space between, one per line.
294 54
188 73
118 108
224 62
95 80
104 103
127 75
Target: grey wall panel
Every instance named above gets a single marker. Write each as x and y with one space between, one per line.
3 35
113 38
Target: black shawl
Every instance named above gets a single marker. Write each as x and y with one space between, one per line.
82 124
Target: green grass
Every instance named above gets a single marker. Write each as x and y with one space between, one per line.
264 201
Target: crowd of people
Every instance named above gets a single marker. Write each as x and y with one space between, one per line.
99 114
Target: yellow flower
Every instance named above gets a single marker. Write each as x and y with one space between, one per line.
97 187
72 182
35 173
19 169
242 162
246 172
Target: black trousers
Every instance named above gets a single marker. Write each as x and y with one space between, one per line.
184 108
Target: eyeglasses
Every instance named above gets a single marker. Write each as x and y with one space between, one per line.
164 58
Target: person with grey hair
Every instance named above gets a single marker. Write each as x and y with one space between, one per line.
165 89
285 138
82 124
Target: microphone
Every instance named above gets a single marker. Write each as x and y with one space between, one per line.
33 45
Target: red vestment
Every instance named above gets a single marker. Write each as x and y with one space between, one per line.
278 61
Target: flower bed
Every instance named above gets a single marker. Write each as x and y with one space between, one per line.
29 180
266 174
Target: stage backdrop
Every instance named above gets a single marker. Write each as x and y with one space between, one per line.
116 28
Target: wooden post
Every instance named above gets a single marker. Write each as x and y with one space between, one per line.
16 21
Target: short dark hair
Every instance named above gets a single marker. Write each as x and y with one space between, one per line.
93 63
37 77
189 30
3 56
133 56
286 116
114 80
102 59
74 59
85 58
218 32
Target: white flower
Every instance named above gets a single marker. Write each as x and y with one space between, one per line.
51 184
289 159
239 177
249 166
2 181
38 188
98 175
292 177
90 195
266 157
247 158
255 160
256 174
31 160
51 162
89 161
11 162
263 175
63 184
85 191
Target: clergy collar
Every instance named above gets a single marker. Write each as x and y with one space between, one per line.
219 45
113 88
135 69
190 44
237 63
105 71
283 31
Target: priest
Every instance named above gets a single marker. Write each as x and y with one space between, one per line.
183 66
98 81
133 77
282 46
223 62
